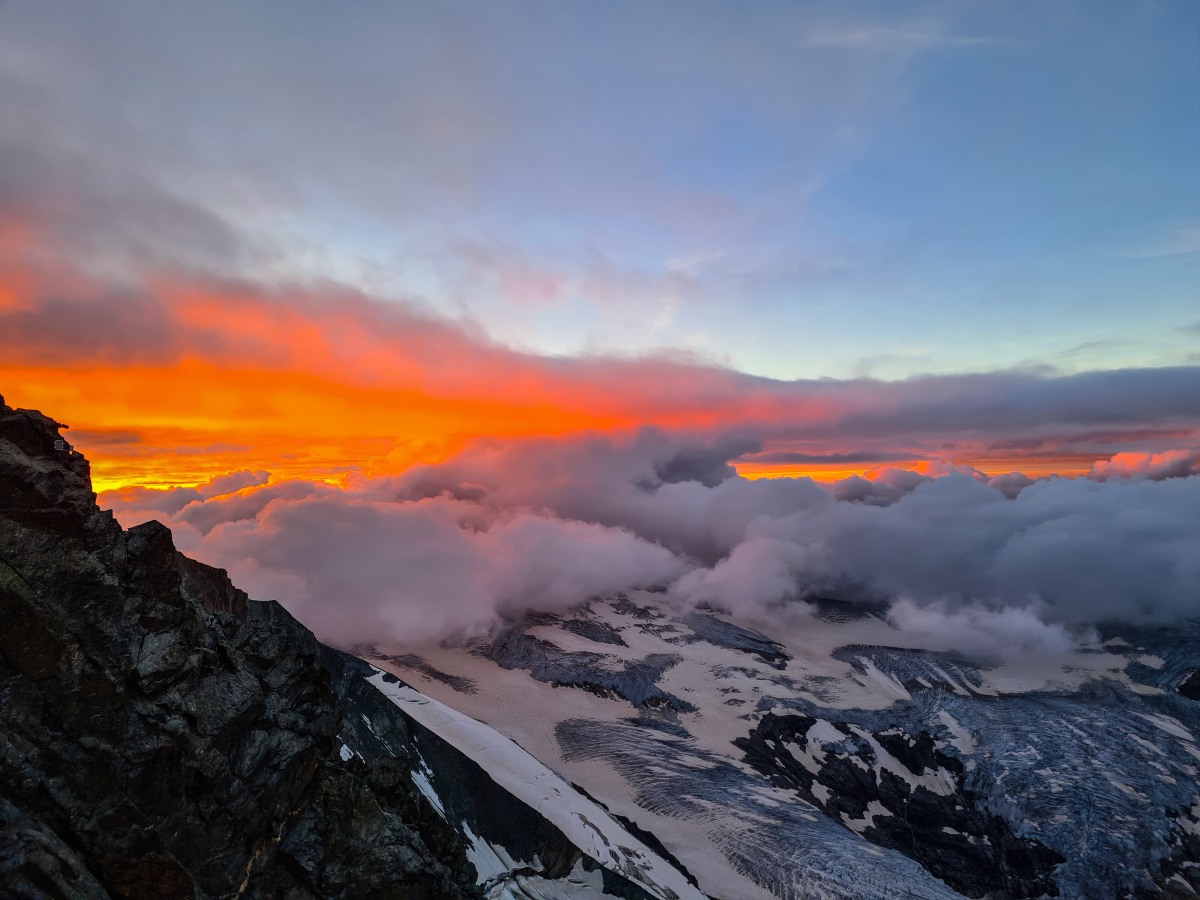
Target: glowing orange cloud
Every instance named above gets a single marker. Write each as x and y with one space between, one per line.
1068 465
171 381
178 383
193 420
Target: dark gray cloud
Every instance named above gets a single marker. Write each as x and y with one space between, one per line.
194 116
127 328
355 339
103 209
708 465
967 404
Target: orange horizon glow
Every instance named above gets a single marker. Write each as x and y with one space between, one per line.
1067 466
183 425
308 386
195 421
203 380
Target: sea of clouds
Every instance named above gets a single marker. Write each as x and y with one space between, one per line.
1002 564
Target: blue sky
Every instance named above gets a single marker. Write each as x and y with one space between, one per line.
794 189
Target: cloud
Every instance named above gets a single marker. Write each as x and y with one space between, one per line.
1184 241
448 111
338 375
131 261
446 550
978 630
1153 466
1089 551
356 570
796 458
1098 346
173 281
1010 483
138 504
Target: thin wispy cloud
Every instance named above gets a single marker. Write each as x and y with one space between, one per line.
1098 346
895 39
1185 241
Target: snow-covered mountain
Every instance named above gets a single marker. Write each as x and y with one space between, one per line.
832 758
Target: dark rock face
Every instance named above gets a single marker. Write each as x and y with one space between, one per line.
600 632
726 634
413 661
1190 686
385 742
163 736
636 681
950 833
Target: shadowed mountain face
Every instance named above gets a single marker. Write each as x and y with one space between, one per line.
163 736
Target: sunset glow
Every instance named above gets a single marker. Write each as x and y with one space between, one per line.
683 449
317 320
175 383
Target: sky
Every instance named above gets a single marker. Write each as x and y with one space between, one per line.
758 194
277 244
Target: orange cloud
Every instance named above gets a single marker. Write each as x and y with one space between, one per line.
1152 466
209 379
174 381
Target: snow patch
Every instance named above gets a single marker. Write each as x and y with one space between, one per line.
1170 725
420 777
874 810
585 823
491 862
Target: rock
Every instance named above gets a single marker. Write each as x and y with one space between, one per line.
951 834
161 735
1190 686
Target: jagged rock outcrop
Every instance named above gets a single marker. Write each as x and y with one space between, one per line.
945 829
163 736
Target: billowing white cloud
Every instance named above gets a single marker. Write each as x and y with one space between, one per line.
139 504
980 630
1154 466
966 562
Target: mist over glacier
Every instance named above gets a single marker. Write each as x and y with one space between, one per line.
965 562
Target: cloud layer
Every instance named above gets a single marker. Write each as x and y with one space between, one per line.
447 550
313 381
